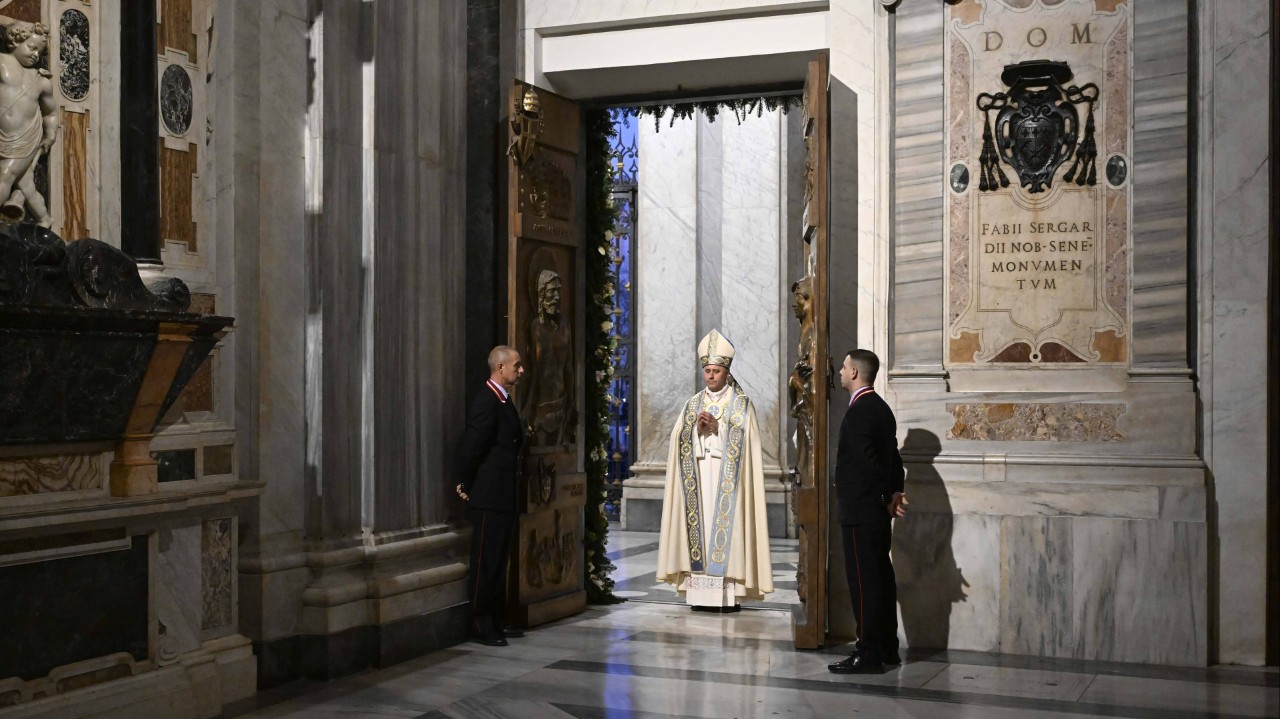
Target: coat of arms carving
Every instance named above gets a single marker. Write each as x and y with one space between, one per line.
1037 128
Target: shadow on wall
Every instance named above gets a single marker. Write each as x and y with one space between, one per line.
929 581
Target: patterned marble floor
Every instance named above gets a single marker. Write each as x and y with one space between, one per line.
649 659
636 556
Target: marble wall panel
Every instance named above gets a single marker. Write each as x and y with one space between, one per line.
267 96
711 227
1160 419
270 603
1004 498
750 273
74 609
75 129
334 397
199 393
1184 504
1235 40
949 588
28 10
217 571
1036 586
178 170
108 77
666 264
485 87
1071 422
51 473
859 176
218 459
419 61
178 591
918 184
1139 591
1161 157
174 27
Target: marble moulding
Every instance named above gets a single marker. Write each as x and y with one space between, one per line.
50 473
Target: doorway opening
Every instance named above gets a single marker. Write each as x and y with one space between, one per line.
722 182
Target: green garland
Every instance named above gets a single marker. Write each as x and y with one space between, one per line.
740 107
601 346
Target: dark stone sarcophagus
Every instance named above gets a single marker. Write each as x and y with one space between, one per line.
88 352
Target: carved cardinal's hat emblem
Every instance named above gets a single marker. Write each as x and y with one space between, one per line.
1037 127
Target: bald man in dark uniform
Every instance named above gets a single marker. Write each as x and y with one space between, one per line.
490 460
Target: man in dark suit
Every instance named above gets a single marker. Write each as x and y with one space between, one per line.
490 460
869 495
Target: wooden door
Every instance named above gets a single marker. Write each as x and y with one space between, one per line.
545 309
810 377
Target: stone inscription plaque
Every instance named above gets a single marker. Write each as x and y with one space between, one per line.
1038 104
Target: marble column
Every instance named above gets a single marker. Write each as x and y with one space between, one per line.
418 259
1233 259
350 117
261 94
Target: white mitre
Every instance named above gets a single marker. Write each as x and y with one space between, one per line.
715 349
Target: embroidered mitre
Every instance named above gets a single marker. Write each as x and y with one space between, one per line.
715 349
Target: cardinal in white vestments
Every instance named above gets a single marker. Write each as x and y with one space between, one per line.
714 540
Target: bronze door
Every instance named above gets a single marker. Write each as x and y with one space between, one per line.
543 261
810 377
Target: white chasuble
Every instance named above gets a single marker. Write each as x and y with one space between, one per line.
714 537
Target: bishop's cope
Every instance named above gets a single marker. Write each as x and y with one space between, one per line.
713 544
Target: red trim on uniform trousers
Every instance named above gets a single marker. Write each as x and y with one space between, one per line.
857 565
484 517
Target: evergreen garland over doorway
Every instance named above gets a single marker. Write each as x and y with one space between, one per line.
740 107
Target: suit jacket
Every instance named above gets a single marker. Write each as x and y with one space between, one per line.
868 466
490 452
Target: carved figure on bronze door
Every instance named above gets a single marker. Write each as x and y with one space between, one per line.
549 404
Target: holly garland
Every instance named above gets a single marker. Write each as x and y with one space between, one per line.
601 346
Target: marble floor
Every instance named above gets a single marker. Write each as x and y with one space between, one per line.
649 658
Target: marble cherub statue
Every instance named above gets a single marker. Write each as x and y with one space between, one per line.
28 118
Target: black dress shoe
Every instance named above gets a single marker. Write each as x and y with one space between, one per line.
490 640
512 632
857 664
888 656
